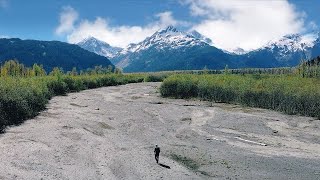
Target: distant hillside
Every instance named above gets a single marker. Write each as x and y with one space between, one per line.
50 54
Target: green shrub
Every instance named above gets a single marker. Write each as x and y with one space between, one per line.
169 87
23 98
58 87
155 77
70 83
288 94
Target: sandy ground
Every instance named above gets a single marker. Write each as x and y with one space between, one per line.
110 133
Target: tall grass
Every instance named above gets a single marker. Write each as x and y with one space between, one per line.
286 93
22 98
24 92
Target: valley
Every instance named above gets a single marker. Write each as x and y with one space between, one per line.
228 89
110 133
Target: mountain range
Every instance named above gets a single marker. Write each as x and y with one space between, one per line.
166 50
50 54
170 49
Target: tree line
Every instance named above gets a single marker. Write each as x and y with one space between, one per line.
15 69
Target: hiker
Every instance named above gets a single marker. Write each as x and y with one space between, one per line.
156 153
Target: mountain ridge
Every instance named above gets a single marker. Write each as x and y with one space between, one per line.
50 54
154 52
287 51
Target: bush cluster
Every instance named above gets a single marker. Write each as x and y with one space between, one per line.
286 93
23 98
155 77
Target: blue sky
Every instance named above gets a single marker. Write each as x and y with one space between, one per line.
231 24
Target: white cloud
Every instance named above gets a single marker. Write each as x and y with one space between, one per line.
166 19
119 36
68 17
247 24
231 24
115 36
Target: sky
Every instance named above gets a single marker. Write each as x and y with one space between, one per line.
231 24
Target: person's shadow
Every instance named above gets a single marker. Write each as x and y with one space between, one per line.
165 166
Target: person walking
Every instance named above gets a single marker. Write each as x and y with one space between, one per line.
157 153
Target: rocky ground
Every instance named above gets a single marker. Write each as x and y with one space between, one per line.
110 133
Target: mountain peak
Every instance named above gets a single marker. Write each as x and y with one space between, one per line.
292 43
292 36
99 47
171 38
90 40
168 29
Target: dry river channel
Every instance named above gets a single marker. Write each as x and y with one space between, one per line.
110 133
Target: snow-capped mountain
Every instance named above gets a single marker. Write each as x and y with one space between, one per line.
293 42
197 35
170 49
99 47
287 51
132 47
168 38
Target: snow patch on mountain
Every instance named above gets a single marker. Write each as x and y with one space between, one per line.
284 48
201 37
169 38
99 47
293 42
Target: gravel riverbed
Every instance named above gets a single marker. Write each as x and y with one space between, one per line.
110 133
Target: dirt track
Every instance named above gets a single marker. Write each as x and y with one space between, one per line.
110 133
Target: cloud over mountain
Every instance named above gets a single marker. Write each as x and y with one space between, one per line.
68 16
100 28
231 24
247 24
